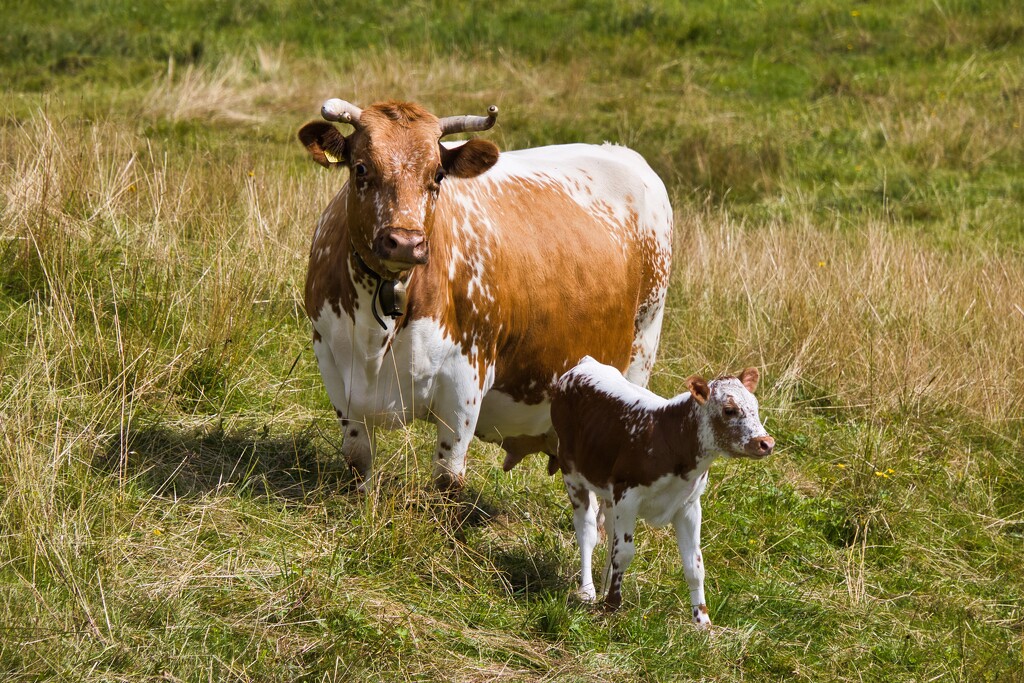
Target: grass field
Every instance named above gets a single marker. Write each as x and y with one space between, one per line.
848 181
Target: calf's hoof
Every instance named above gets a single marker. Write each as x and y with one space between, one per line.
587 594
700 616
612 603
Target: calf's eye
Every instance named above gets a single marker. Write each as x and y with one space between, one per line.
360 169
731 411
439 177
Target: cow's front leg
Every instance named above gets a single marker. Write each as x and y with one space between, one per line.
621 548
358 448
456 408
687 524
357 435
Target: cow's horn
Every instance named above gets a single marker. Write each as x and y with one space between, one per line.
340 110
467 124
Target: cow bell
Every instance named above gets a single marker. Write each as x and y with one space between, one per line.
393 298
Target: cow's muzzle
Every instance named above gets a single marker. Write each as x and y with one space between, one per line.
401 247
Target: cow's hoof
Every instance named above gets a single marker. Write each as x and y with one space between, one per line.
361 478
701 619
448 481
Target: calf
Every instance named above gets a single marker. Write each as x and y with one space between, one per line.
646 456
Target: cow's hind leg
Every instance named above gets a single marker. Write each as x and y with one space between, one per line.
645 343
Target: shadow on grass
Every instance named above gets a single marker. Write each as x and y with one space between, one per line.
457 511
198 461
194 462
530 575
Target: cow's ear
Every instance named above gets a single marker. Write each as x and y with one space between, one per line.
749 378
698 389
469 160
324 142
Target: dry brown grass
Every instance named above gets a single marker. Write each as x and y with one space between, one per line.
866 316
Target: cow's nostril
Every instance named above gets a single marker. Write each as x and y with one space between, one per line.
390 243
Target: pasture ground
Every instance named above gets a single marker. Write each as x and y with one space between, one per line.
848 182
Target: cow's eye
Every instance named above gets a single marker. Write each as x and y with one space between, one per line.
730 411
439 176
360 169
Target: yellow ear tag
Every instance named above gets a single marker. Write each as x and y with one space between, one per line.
331 158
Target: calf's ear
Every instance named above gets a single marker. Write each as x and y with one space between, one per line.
324 142
471 159
749 378
698 389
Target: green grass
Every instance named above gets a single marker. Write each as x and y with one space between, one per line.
847 182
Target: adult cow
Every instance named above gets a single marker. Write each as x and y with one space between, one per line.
455 284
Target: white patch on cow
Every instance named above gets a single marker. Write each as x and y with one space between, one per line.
618 182
421 374
501 416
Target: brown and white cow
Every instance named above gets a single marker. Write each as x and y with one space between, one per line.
495 274
647 457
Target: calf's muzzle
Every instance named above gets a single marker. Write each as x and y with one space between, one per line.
760 446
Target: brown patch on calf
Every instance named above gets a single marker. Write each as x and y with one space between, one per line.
594 442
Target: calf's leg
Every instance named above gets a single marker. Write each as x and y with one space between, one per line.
623 513
584 518
606 520
687 525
